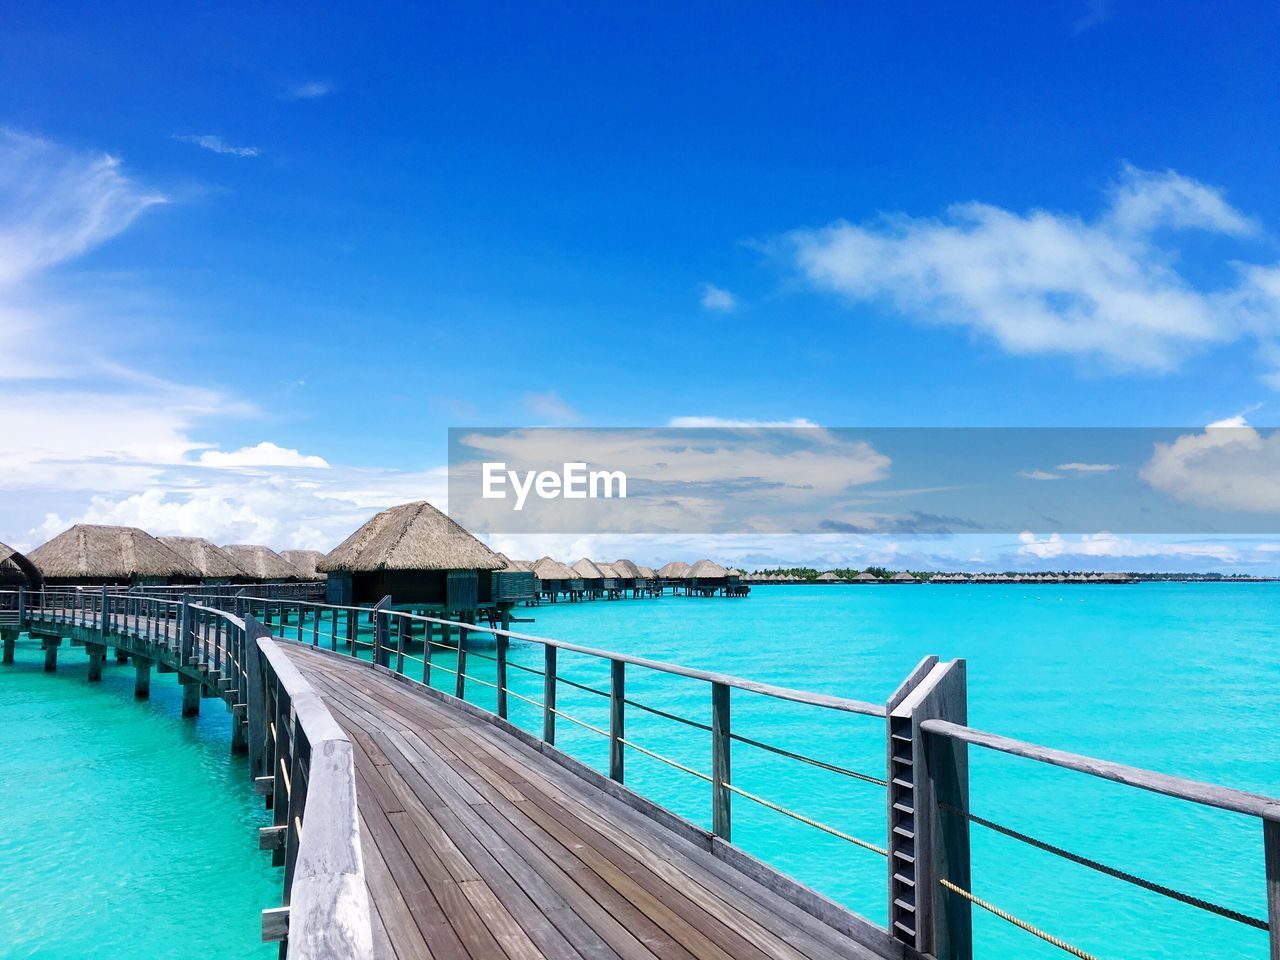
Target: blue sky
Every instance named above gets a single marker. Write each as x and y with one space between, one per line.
340 232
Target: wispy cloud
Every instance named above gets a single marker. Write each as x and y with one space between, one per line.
738 423
718 299
1088 467
215 144
311 90
264 454
550 406
1039 475
1042 282
1096 13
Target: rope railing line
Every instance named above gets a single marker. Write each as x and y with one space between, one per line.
1020 924
669 716
806 820
822 764
582 686
521 666
521 696
1115 872
667 760
581 723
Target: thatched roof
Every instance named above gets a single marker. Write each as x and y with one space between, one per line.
261 563
707 570
517 566
627 570
211 561
609 570
587 570
548 569
828 577
15 566
904 577
108 553
674 570
305 562
647 572
735 572
412 536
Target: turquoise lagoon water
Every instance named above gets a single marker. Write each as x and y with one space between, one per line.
1181 678
125 830
126 819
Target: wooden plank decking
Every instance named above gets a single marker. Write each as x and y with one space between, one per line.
477 847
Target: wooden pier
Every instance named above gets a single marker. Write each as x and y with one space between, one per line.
413 823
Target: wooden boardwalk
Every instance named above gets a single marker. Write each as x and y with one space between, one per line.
477 847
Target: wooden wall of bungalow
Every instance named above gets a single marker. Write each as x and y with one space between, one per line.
18 571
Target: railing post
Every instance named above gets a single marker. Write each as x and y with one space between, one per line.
460 687
1271 853
549 694
381 635
22 609
721 811
186 645
617 703
401 624
500 674
103 619
255 696
928 822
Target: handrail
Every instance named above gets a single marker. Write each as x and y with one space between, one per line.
1206 794
328 901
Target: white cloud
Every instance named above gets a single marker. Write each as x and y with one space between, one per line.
731 423
718 299
1088 467
1038 475
1043 282
311 90
1055 546
216 144
265 454
1230 466
551 407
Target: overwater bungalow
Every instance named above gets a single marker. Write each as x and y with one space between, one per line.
829 577
613 580
866 578
92 555
514 582
213 563
556 579
419 557
592 577
706 578
674 575
903 577
17 571
637 579
305 562
262 563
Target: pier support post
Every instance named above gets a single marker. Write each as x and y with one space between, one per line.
97 654
190 697
141 678
928 818
51 645
1271 857
122 655
239 733
10 640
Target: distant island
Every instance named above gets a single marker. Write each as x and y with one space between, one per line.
884 575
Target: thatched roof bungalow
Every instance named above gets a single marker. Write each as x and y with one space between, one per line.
903 577
675 570
261 563
418 556
829 577
17 571
90 554
513 581
213 563
305 562
707 573
555 577
866 578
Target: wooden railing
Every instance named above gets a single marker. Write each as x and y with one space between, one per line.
298 755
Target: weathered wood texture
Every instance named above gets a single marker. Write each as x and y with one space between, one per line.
479 847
